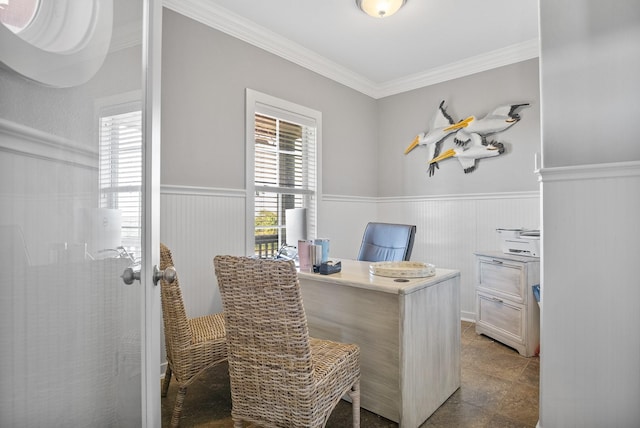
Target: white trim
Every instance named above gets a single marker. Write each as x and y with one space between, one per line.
235 25
348 198
470 196
31 142
170 189
254 101
487 61
590 172
202 191
468 316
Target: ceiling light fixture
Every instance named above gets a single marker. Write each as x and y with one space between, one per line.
380 8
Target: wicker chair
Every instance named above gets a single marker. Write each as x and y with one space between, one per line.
280 377
193 345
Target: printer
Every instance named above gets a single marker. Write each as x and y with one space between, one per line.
525 242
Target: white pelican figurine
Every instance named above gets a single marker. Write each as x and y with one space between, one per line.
498 120
476 150
433 138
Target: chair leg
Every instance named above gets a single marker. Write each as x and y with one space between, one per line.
177 409
167 379
355 403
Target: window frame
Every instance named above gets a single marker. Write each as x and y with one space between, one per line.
111 106
258 102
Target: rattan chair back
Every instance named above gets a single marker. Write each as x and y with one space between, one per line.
192 344
280 377
176 324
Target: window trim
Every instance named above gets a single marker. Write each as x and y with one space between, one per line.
114 105
300 114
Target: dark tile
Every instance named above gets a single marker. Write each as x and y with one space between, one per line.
521 404
499 389
342 416
531 373
496 362
483 390
468 334
499 421
458 414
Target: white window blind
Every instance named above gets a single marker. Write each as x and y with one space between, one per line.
121 172
284 176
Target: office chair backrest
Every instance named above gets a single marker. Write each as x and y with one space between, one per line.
387 242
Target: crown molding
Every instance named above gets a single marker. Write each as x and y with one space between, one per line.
241 28
487 61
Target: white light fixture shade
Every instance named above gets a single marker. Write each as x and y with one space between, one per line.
380 8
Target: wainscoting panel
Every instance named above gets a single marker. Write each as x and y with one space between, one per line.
590 293
196 225
200 223
450 229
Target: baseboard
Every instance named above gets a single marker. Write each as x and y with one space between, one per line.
467 316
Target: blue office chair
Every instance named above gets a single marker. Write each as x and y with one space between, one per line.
387 242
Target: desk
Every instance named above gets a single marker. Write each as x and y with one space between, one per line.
408 333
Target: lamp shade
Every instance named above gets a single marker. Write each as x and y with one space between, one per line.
380 8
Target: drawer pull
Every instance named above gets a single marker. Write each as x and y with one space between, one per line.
495 299
498 262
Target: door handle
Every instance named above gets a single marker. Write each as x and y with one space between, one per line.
169 274
130 274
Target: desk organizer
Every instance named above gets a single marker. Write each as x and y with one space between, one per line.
330 267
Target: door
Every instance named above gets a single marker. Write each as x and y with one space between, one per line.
79 190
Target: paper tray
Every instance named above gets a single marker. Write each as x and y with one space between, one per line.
402 269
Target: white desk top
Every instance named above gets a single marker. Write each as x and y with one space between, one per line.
356 274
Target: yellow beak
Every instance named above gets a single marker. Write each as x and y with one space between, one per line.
449 153
413 145
461 124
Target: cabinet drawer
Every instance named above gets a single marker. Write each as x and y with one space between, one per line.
503 277
502 316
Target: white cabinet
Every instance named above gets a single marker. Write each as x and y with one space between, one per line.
506 309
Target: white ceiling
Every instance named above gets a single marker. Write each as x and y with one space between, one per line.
425 42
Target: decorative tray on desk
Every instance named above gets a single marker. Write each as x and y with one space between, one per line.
402 269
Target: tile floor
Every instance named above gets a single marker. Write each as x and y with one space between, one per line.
499 389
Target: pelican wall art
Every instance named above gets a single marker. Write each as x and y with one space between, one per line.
470 136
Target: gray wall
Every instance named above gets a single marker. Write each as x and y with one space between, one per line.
591 68
405 115
204 76
205 73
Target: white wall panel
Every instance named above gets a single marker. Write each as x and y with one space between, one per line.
590 292
197 225
450 229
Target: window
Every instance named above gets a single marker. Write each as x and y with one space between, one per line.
120 176
283 140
